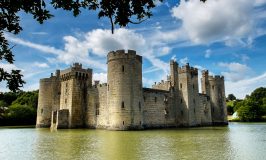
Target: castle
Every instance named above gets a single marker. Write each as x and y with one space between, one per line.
68 99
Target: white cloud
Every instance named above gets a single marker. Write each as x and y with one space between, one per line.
8 67
173 57
242 57
199 67
235 71
147 82
165 50
43 48
183 61
91 48
243 87
218 20
151 69
102 77
41 65
260 2
31 87
39 33
208 53
102 41
67 56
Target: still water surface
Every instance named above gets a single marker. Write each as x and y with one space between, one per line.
243 141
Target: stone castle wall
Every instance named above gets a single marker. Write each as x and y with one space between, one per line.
97 112
48 100
74 84
155 108
124 92
69 98
205 110
187 80
217 96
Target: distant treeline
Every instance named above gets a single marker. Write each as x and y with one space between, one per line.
251 109
18 108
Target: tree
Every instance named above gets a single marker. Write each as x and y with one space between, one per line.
231 97
20 115
253 107
9 97
18 108
3 106
230 107
27 98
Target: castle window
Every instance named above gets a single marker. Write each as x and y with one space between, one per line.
155 99
194 110
182 113
123 68
144 98
193 86
76 74
212 87
41 111
194 101
181 85
139 106
108 87
123 105
123 122
66 84
65 101
181 101
97 110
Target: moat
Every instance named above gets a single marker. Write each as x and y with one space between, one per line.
235 141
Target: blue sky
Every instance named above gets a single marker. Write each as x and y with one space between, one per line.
224 36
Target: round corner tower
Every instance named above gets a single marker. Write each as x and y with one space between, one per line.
217 97
48 100
124 90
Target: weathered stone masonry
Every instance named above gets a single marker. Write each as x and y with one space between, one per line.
69 100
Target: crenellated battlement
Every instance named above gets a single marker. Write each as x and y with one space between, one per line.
205 73
163 85
102 85
75 71
216 78
188 69
173 62
122 54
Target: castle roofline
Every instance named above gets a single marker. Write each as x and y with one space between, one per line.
154 90
216 77
76 67
122 54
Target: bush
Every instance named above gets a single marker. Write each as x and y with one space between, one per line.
253 108
20 115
